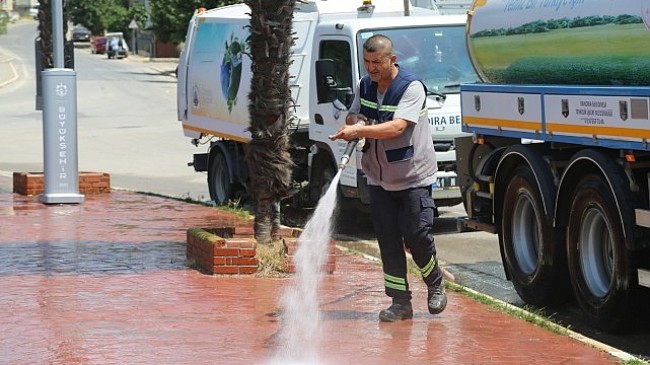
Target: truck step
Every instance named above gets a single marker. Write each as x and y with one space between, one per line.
644 277
476 225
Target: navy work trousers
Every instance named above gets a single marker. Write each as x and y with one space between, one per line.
404 219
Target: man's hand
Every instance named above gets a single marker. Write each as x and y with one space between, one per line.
347 132
350 131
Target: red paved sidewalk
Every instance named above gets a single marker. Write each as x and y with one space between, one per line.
105 282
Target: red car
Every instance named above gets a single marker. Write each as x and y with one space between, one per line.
98 45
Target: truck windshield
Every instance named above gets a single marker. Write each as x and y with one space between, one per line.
436 54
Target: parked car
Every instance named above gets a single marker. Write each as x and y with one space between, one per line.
98 45
80 34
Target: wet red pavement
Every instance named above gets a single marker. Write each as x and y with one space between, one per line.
105 282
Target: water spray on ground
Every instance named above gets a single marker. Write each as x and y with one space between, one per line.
301 323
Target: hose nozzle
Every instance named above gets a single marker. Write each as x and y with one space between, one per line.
344 161
348 151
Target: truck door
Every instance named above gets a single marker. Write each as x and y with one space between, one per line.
181 72
328 117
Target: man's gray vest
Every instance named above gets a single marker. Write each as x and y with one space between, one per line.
403 162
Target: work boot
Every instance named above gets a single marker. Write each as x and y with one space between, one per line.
437 299
396 312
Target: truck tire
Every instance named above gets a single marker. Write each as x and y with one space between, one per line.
532 255
600 266
221 189
325 179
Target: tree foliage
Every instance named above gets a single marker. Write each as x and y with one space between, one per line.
106 15
169 18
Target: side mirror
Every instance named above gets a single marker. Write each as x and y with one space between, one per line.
349 98
327 88
325 80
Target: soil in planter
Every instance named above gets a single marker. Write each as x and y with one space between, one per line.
272 260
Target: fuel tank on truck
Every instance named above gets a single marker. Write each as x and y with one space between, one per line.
561 42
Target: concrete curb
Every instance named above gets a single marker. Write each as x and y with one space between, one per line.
164 66
622 355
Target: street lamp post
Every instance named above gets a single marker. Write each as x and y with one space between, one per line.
59 87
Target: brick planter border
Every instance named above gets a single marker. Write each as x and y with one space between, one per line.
291 244
33 183
232 250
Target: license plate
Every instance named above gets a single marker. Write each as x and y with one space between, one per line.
444 183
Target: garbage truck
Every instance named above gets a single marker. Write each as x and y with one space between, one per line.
557 160
326 64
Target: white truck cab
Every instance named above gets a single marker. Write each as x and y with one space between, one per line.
433 50
214 80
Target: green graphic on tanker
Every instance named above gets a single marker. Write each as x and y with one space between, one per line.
231 68
598 50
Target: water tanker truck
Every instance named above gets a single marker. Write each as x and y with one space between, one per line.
558 161
327 62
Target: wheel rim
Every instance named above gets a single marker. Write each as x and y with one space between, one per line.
525 242
596 252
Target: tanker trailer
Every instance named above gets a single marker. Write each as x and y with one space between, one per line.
558 162
582 42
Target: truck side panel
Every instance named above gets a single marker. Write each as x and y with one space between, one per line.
596 116
218 84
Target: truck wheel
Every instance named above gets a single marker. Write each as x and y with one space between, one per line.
532 256
221 189
325 180
601 269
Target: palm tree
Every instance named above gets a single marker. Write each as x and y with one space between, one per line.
267 155
45 39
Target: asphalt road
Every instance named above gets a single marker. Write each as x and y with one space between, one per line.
127 126
126 120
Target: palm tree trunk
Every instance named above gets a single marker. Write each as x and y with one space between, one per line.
267 155
45 33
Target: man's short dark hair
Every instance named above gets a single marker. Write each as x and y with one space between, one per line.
379 42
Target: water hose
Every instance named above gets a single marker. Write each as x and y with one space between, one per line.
348 152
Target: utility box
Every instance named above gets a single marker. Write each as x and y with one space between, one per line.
60 137
68 63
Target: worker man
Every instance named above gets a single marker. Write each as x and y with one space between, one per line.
390 112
